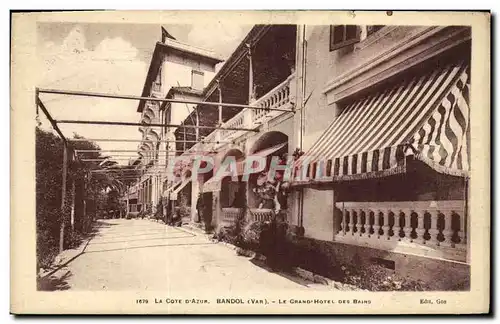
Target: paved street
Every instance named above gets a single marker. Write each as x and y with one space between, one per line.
145 255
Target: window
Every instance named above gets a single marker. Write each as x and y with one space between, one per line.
343 35
197 80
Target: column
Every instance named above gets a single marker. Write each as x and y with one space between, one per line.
250 75
63 196
220 101
72 217
195 190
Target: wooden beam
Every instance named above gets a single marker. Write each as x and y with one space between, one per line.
51 120
130 97
99 122
140 141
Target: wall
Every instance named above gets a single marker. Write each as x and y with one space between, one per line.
179 111
326 258
323 66
318 214
176 71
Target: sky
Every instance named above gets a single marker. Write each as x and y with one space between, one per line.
110 58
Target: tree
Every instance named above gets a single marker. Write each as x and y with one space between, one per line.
50 220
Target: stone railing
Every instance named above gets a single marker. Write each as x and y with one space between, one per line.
260 214
279 97
230 214
429 228
237 121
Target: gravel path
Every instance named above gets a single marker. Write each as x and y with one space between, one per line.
145 255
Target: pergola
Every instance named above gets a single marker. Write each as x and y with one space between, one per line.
133 176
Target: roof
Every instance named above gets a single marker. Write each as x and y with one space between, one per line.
211 55
173 45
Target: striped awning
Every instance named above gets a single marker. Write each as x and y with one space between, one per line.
426 116
214 183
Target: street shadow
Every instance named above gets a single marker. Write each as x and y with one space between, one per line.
142 239
53 283
149 246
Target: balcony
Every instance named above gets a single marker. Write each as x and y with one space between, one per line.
431 229
230 214
280 97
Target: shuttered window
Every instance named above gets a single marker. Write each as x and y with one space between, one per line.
343 35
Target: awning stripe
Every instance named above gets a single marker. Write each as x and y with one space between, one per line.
442 142
371 134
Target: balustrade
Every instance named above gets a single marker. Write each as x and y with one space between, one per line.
435 226
279 97
230 214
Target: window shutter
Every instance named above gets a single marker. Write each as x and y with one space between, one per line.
197 80
343 35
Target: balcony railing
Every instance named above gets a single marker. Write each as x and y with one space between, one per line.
279 97
230 214
433 229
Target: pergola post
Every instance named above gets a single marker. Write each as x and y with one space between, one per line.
250 75
72 217
63 195
197 125
220 101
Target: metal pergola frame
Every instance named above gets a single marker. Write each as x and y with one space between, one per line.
74 153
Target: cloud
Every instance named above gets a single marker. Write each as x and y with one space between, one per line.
113 67
221 38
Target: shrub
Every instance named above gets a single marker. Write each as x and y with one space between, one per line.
378 278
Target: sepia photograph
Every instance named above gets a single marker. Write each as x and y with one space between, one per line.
326 161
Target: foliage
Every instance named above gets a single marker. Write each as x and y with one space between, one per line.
159 210
374 277
272 191
92 188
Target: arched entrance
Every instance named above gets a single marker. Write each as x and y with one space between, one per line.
265 195
232 193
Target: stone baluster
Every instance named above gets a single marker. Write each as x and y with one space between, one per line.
461 233
376 224
407 228
448 231
397 225
366 226
420 230
351 221
358 222
434 231
385 227
344 221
